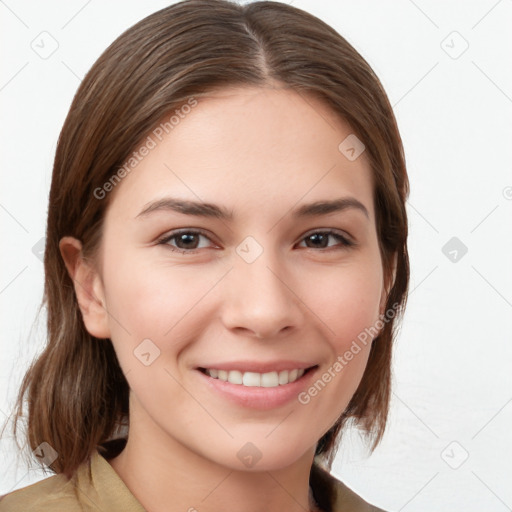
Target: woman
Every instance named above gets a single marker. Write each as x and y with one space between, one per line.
225 262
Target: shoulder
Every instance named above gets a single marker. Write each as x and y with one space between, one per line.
340 496
54 494
94 486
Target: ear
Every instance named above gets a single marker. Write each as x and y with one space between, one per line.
386 290
88 287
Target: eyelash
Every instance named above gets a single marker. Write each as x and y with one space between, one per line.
345 242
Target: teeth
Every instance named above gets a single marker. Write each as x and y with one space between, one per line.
235 377
293 375
253 379
270 380
283 377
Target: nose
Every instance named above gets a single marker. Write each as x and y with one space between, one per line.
261 299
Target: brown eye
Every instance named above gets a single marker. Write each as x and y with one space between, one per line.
186 241
320 240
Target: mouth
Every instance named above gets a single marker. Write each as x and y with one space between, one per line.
272 379
257 385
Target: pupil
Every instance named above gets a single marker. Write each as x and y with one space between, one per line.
317 237
186 238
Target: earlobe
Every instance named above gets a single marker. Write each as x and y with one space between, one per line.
88 287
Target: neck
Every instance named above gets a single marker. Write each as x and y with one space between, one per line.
166 476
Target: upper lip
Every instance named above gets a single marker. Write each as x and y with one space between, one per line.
259 367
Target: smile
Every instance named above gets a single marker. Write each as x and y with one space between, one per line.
254 379
274 385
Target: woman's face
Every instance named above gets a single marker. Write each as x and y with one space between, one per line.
234 282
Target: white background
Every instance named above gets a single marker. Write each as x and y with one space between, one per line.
452 363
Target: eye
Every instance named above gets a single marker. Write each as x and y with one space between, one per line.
320 238
186 241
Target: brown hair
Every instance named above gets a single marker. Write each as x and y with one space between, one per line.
77 393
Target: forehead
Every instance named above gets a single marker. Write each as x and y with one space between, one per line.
246 148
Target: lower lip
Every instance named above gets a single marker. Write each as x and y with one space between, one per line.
256 397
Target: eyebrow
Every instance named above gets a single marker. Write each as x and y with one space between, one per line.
200 209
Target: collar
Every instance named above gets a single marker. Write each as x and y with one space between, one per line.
98 485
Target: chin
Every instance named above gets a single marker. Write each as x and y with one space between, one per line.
263 454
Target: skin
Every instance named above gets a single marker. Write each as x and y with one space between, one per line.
260 152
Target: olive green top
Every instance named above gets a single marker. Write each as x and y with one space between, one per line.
96 486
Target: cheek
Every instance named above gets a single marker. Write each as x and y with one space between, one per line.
347 302
148 291
152 301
